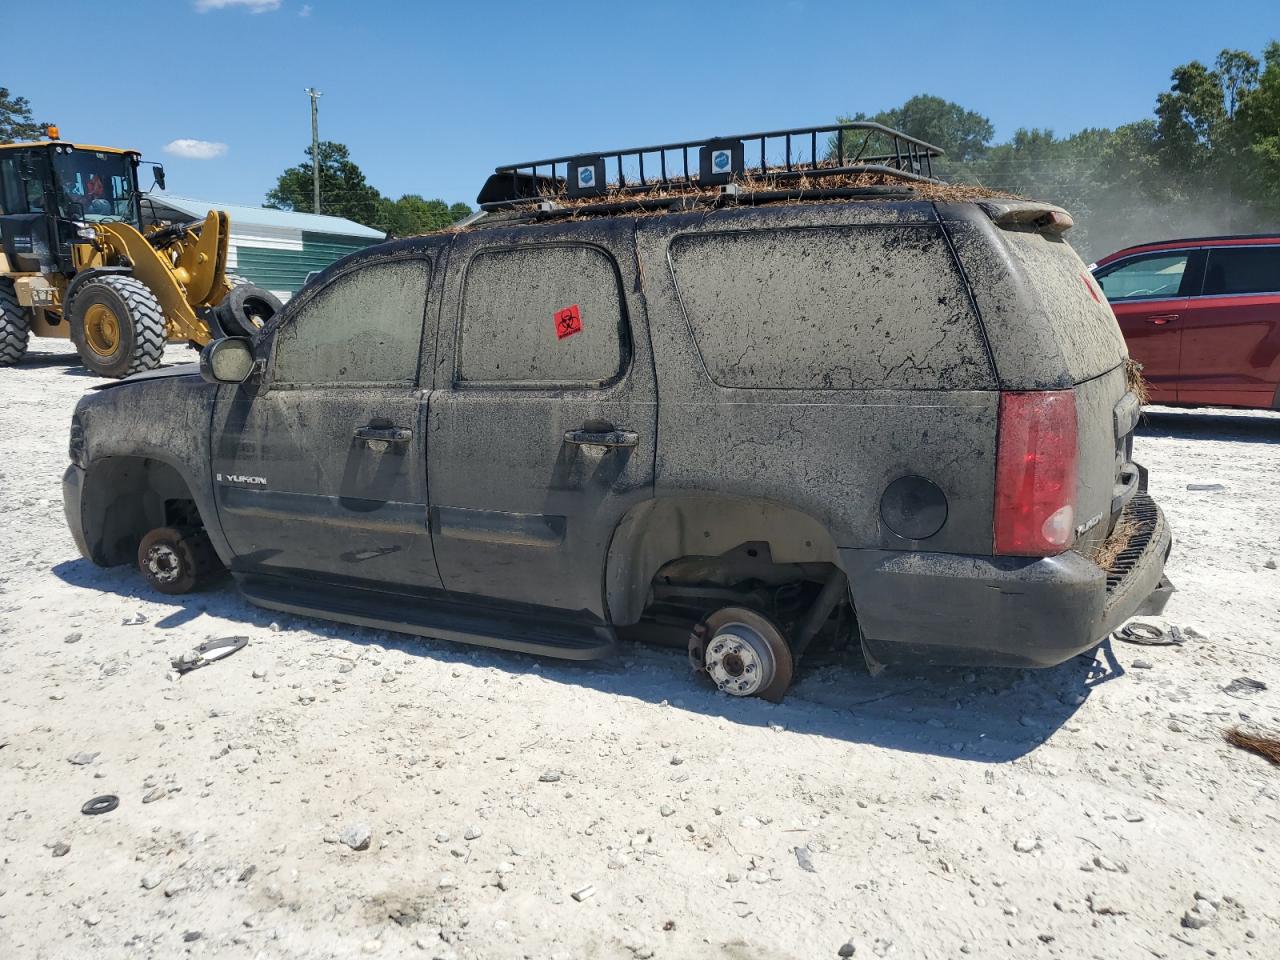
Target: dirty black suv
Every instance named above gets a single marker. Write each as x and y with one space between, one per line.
747 408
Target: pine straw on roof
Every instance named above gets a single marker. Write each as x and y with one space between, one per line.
753 182
1268 747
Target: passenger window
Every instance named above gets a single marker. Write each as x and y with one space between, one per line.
363 327
835 308
1159 276
519 324
1242 270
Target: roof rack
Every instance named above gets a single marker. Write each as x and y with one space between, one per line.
719 161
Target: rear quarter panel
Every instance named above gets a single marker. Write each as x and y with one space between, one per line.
828 453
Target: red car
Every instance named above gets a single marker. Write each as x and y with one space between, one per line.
1202 316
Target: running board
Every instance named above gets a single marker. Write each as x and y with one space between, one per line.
442 619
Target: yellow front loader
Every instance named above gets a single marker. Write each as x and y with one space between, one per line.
76 261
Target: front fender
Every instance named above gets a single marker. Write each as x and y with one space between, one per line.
166 421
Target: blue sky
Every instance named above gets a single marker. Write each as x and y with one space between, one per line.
431 96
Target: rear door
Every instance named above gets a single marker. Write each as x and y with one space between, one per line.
1231 331
320 467
1149 294
543 428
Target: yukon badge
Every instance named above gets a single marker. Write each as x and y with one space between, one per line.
240 478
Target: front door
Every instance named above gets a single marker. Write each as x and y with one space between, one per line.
320 467
543 426
1231 332
1148 293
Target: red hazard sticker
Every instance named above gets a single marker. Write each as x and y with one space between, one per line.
568 322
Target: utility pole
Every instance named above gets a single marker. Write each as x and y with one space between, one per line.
315 149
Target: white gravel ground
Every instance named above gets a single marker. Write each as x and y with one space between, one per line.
531 808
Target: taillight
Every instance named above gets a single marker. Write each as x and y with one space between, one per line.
1036 473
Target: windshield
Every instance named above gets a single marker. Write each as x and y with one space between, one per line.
95 185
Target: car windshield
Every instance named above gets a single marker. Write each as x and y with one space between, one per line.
95 185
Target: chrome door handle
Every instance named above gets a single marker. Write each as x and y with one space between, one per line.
602 438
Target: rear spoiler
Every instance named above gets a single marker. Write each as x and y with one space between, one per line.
1028 215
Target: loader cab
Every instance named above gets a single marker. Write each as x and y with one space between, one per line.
50 192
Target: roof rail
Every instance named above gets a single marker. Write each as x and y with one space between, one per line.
719 160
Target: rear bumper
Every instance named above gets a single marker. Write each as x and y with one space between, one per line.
1006 611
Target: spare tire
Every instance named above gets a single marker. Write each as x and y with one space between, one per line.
246 309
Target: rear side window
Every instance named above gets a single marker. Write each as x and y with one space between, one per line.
1145 277
363 327
545 314
1242 270
836 308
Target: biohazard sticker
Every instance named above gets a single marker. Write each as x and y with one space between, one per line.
568 322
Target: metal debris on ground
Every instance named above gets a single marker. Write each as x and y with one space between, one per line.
103 804
1268 747
1149 634
194 659
1244 688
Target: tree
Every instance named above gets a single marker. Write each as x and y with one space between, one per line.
412 216
16 122
963 134
344 192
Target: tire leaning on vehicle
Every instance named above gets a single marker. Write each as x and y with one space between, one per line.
15 325
246 309
117 326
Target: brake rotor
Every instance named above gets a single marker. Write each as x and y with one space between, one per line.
743 653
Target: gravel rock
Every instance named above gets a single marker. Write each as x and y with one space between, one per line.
666 810
357 836
71 638
152 879
83 759
1201 915
584 893
61 849
846 950
472 833
154 794
549 776
804 859
1026 844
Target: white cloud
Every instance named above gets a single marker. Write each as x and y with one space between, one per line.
305 11
195 149
253 6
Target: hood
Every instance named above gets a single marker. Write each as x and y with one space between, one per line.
160 373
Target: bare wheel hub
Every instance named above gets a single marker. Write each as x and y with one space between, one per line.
164 563
739 660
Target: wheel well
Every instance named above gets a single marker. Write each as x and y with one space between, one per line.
125 497
719 542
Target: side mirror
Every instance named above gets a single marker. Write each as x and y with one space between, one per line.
157 171
229 360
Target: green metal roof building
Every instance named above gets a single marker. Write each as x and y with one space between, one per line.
275 249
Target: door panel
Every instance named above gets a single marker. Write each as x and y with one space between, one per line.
1231 351
297 491
522 509
1231 340
320 469
1153 331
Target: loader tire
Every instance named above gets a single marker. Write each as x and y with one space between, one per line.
15 325
247 309
118 326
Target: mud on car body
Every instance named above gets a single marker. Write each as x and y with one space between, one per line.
899 420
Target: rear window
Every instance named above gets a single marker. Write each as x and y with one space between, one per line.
836 308
1079 316
1242 270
